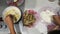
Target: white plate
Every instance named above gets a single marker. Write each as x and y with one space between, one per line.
37 28
13 11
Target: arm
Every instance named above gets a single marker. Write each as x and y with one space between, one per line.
10 24
57 19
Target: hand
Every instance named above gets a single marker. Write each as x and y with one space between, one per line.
56 28
8 19
10 24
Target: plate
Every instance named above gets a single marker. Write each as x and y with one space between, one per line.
12 10
37 28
